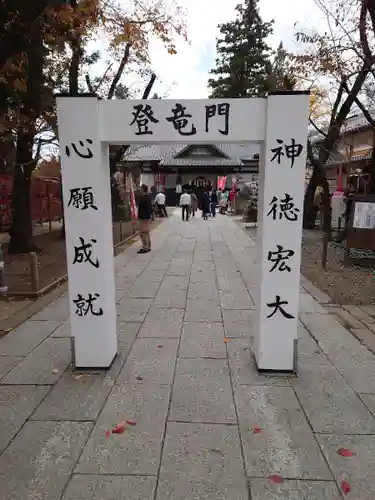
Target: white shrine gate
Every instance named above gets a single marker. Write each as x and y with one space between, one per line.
88 125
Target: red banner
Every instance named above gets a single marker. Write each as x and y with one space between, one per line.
221 182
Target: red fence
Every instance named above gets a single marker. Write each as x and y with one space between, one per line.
45 200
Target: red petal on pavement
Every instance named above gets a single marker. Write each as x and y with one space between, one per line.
344 452
131 422
119 429
257 430
346 488
108 434
276 479
160 346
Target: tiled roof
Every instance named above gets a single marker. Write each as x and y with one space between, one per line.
166 154
354 122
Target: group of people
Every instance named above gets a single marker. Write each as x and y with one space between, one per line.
189 204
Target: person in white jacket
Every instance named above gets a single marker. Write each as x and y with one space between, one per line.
160 204
185 202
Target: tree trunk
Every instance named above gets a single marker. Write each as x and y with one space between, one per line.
22 225
308 204
21 233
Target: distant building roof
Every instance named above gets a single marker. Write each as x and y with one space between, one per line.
201 155
354 122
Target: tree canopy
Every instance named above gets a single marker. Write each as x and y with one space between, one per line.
242 65
49 46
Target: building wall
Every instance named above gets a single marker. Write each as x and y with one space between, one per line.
148 179
355 141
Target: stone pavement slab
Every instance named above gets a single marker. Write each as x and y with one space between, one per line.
57 310
161 322
239 323
44 365
133 310
26 337
243 369
330 403
215 447
196 487
286 446
150 360
202 340
203 310
7 363
369 400
171 298
38 463
137 451
17 403
75 397
95 487
357 470
63 330
264 489
202 392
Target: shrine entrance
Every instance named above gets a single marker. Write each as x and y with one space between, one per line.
88 125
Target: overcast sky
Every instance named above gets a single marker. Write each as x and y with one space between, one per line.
185 75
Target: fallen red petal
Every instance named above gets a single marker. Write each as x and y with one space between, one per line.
276 479
131 422
344 452
108 434
257 430
346 488
119 429
160 346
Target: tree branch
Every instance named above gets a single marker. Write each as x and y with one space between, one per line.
89 84
365 112
362 31
337 122
120 70
319 130
337 100
149 86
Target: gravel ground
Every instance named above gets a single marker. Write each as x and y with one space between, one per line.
344 284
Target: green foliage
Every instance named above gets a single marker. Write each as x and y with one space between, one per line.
243 55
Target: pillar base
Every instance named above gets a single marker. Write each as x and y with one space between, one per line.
280 373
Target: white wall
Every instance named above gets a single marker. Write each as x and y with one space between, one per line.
148 179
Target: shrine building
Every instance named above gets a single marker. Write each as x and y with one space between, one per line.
196 165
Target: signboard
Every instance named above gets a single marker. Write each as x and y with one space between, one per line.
360 242
364 215
203 121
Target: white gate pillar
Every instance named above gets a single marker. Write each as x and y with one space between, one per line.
280 230
88 228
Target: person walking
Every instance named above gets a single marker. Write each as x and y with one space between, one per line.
185 202
205 206
213 202
144 216
160 204
194 203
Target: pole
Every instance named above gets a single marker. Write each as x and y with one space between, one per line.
3 287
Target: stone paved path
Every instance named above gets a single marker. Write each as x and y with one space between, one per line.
196 398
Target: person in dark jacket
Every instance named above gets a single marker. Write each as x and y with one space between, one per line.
205 204
144 217
213 202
